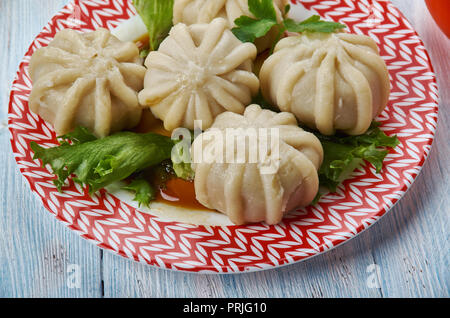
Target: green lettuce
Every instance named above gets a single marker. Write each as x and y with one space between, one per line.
157 16
144 191
342 153
100 162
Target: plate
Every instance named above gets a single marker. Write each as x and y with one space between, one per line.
115 225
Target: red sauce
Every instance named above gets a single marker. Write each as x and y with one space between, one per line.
181 193
175 191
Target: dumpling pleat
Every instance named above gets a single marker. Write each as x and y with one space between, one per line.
251 112
284 118
210 10
131 69
124 53
176 112
157 93
180 34
235 58
119 89
324 104
225 99
57 56
162 61
212 36
244 78
377 65
68 109
303 141
232 192
235 9
264 117
171 48
202 110
273 196
215 107
51 80
70 41
239 92
103 112
201 184
101 39
287 84
362 91
266 74
310 178
359 40
179 9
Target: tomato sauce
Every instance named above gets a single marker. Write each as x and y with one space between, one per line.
181 193
173 191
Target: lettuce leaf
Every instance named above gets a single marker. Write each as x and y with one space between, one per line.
157 16
100 162
341 152
78 136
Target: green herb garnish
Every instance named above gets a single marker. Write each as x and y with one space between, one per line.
249 29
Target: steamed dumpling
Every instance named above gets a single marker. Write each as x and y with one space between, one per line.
198 72
90 79
204 11
329 82
282 176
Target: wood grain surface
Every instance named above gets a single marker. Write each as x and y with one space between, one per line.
408 247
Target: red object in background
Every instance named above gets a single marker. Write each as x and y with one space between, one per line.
440 10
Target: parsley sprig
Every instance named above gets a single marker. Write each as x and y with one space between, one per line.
249 29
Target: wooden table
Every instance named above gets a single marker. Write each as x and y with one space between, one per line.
409 246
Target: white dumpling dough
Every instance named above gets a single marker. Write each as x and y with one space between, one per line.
330 82
242 189
90 79
204 11
198 72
